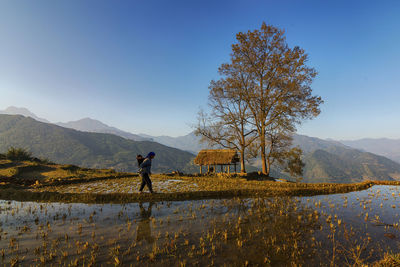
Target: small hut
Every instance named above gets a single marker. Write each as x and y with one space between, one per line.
225 158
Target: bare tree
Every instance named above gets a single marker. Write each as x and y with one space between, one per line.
227 125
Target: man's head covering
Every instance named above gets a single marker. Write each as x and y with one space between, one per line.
151 154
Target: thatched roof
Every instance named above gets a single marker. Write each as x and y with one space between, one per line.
216 156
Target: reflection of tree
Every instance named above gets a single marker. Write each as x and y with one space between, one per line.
144 229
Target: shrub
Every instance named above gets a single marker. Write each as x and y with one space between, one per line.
2 156
70 167
43 161
18 154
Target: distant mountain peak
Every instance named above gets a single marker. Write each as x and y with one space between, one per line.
12 110
91 125
17 109
86 123
90 119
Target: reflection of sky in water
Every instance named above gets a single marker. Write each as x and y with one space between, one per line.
178 215
371 198
103 212
376 201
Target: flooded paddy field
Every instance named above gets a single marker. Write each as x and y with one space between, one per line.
339 229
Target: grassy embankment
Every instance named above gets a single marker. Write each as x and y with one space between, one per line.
43 181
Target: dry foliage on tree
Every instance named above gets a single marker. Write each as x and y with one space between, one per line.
262 95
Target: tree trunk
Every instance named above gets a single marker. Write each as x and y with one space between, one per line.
242 148
263 152
242 164
264 161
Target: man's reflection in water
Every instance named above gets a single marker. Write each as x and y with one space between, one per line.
144 229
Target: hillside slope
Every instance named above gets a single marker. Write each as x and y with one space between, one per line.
310 144
94 150
95 126
341 165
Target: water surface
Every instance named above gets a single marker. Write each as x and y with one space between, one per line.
352 227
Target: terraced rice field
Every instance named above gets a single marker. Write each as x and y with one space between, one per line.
341 229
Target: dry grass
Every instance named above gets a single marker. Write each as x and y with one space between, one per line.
216 156
29 173
388 260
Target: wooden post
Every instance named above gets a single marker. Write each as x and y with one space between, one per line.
208 168
201 169
229 169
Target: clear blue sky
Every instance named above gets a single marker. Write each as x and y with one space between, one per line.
145 66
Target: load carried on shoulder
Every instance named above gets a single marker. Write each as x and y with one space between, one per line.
140 159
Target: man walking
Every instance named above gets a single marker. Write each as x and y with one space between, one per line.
145 171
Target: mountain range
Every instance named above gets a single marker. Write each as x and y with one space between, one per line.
389 148
189 142
85 124
325 160
22 111
94 150
340 165
95 126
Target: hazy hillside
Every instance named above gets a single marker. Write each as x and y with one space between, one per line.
309 144
95 150
332 161
189 142
95 126
85 125
348 165
389 148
